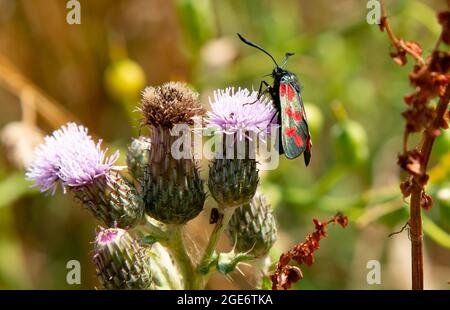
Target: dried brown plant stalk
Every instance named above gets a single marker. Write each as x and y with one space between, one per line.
285 275
430 78
16 83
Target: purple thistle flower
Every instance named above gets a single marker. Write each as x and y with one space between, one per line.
106 236
239 112
70 157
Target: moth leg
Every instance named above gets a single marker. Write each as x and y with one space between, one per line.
275 114
268 88
260 91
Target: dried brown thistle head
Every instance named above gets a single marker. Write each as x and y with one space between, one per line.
169 104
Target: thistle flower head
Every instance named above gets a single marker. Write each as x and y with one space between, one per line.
120 261
239 111
106 236
70 157
169 104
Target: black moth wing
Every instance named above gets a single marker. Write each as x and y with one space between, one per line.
295 136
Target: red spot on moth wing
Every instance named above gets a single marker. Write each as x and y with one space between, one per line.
282 90
290 131
297 116
298 141
290 92
288 111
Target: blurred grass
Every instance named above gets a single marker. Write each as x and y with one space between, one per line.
340 60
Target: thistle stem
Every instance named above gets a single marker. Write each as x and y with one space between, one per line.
262 266
205 262
177 247
155 229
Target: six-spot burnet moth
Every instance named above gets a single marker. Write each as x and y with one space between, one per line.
287 98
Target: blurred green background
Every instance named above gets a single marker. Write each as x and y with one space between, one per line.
52 72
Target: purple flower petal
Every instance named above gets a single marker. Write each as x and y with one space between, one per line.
70 157
239 112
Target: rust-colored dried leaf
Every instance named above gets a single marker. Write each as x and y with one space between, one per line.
411 162
382 24
303 253
399 57
445 120
414 47
444 20
426 201
409 99
405 187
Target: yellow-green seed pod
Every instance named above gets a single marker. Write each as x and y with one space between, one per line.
124 79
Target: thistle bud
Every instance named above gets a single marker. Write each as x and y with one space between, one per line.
113 200
252 227
137 157
227 262
233 182
120 262
173 190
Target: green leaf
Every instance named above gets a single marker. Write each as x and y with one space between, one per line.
266 284
150 239
13 187
436 233
227 262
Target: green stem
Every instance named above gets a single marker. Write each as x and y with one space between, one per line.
262 266
176 246
155 229
208 256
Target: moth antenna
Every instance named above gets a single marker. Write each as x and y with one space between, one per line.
256 46
286 59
